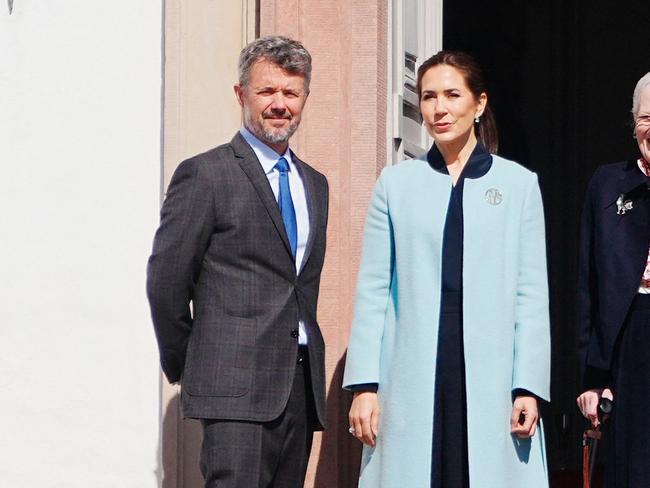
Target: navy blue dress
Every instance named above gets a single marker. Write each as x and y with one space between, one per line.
449 464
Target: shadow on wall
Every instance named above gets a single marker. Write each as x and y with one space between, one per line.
339 456
181 447
340 453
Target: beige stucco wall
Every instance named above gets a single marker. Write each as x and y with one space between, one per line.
343 134
202 42
203 39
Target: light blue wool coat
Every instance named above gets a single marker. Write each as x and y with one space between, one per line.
505 322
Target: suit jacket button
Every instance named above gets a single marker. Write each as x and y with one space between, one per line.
294 333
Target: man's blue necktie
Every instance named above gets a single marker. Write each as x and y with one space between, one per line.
286 205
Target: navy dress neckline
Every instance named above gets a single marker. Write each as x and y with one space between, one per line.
478 164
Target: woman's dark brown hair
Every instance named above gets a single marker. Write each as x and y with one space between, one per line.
486 129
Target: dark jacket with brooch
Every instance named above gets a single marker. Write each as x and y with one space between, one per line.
613 255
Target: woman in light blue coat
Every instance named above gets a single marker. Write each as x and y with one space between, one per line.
449 351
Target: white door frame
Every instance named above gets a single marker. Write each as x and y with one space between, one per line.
414 25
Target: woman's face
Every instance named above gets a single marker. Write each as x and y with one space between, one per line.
448 106
642 124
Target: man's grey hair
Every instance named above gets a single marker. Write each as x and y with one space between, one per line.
288 54
636 97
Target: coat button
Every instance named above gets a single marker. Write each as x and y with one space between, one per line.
294 333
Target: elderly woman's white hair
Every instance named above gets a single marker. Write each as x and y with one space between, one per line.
636 97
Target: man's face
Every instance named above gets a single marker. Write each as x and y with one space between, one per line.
272 102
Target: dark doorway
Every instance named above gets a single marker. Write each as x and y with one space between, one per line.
561 75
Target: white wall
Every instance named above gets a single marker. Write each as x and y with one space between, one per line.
80 85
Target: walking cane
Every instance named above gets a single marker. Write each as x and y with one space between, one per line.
590 439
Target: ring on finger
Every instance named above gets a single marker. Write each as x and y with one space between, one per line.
352 430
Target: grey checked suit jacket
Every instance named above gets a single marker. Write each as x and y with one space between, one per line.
222 247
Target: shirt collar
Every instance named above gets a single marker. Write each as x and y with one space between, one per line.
644 166
266 156
478 164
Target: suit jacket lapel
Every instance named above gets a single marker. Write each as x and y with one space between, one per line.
253 169
313 198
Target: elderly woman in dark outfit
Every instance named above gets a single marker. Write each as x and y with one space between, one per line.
449 350
614 304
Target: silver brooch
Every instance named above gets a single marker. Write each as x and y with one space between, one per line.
623 205
493 196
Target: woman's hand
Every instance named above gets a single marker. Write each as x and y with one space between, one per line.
588 403
364 416
526 406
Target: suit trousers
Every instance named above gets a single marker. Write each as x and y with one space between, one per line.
238 454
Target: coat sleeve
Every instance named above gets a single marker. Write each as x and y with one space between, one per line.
186 222
588 377
373 291
532 343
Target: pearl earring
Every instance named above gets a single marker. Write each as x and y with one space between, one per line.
477 120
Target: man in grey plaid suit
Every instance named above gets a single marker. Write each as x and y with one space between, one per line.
242 240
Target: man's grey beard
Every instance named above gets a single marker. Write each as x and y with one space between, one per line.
270 136
275 137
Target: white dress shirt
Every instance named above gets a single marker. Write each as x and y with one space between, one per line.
644 288
268 158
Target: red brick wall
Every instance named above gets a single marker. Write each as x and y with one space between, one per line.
343 134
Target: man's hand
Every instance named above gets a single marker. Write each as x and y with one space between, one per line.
588 403
524 407
364 416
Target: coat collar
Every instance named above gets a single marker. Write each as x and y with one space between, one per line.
478 164
630 183
631 178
